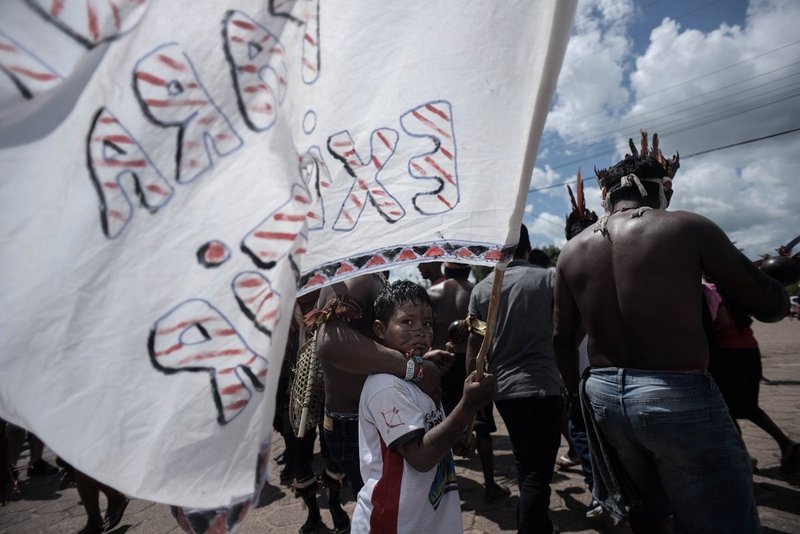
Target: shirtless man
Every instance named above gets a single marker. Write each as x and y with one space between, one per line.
450 302
432 272
634 284
349 353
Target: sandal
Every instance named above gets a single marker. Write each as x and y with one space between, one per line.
565 462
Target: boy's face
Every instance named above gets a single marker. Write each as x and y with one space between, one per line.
410 328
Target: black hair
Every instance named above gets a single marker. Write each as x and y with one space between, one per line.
641 166
576 225
397 293
457 273
645 162
632 193
540 258
524 245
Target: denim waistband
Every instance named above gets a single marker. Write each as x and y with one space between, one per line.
345 422
343 416
640 385
623 375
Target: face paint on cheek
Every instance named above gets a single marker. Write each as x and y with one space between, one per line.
406 336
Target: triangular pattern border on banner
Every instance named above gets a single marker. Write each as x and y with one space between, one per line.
383 259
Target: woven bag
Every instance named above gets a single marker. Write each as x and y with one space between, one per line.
307 392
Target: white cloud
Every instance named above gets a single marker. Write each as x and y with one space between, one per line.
750 190
545 228
699 91
543 178
591 82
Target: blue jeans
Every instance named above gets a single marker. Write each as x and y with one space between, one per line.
678 448
577 434
341 436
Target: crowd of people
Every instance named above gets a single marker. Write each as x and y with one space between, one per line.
578 348
647 396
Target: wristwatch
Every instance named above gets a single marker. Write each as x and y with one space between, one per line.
415 360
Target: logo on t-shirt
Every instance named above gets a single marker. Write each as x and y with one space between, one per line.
444 481
433 418
392 418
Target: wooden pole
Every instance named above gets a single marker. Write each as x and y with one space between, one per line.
491 319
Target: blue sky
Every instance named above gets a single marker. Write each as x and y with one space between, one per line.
703 74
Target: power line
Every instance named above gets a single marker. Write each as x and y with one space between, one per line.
746 142
638 118
717 71
693 123
720 69
742 143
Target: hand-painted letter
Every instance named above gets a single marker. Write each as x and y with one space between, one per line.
435 121
366 185
171 94
113 155
196 337
258 66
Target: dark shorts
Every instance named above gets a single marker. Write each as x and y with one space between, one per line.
341 435
737 373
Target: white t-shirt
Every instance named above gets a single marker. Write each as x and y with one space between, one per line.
396 497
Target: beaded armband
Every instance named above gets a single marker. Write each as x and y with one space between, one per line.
340 307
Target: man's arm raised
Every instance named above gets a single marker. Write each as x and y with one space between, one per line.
427 450
763 297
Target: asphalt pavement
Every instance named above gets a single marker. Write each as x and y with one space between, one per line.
41 508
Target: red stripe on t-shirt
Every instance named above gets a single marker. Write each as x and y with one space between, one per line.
386 494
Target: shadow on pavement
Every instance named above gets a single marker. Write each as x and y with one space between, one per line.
120 530
269 494
777 497
502 513
37 489
775 474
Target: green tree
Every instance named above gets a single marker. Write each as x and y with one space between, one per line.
552 252
481 271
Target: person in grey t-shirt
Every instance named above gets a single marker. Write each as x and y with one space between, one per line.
528 382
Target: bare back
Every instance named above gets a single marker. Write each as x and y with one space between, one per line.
637 290
450 302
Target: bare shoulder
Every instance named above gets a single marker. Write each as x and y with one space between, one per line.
437 291
576 246
688 217
693 226
363 288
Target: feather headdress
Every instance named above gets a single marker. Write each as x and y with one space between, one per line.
646 162
580 217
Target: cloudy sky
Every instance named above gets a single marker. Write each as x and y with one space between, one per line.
703 75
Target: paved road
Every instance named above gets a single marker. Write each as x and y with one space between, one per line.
41 508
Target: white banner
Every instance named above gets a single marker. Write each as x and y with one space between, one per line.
172 173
